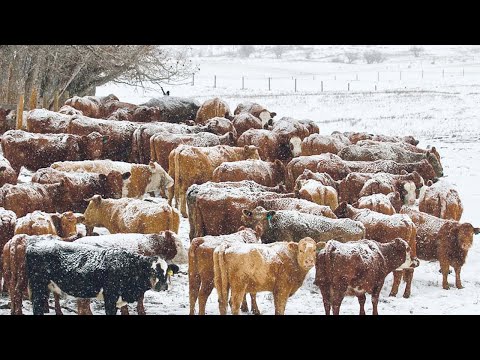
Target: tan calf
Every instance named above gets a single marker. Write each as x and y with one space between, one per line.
315 191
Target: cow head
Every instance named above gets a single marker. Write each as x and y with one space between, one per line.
251 152
146 114
266 118
434 160
395 200
114 183
161 273
158 178
407 192
66 223
410 140
343 210
296 146
181 256
220 126
402 252
228 139
464 234
426 170
258 219
92 213
305 250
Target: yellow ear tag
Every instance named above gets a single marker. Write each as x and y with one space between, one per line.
170 272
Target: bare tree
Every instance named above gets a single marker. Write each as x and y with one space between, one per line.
417 50
373 56
279 50
246 50
79 69
351 56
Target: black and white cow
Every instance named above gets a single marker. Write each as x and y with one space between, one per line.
84 271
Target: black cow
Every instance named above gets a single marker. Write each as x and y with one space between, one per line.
86 271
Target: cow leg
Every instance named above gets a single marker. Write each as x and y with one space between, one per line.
140 305
458 282
39 296
110 305
183 203
170 195
237 295
16 295
444 267
255 310
337 298
280 297
89 230
83 307
124 310
408 277
361 300
222 303
397 278
58 310
205 291
194 283
244 307
325 290
375 297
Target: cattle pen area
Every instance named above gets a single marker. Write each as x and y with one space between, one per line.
239 173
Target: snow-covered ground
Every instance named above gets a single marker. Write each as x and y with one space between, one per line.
441 112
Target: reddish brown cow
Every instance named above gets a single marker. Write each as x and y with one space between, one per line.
246 121
355 137
200 267
441 200
161 144
262 172
26 198
271 145
447 241
386 204
356 268
7 174
400 146
8 219
82 185
256 110
317 144
212 108
91 106
310 125
323 178
44 121
35 151
384 228
170 109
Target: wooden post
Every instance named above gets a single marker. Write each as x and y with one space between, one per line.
214 81
335 77
348 86
55 101
20 112
243 82
295 84
443 73
357 77
463 72
268 84
193 79
378 76
321 85
375 87
400 75
33 100
313 77
422 73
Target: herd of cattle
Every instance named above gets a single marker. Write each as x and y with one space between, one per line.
266 200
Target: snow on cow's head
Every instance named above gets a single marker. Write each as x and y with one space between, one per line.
161 273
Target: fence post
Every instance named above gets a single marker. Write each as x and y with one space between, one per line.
378 76
463 72
348 86
375 87
20 112
243 82
55 101
357 77
295 84
422 73
33 99
335 77
214 81
400 75
443 73
322 85
193 79
268 84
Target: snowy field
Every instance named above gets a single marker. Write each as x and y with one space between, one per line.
440 112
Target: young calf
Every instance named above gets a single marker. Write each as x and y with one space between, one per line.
356 268
441 200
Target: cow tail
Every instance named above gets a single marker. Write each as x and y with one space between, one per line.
220 275
176 189
174 221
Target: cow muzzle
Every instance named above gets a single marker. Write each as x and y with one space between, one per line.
414 263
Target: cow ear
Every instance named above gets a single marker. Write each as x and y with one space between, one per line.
273 114
433 149
293 246
102 177
3 168
247 212
80 218
320 245
270 214
476 231
126 175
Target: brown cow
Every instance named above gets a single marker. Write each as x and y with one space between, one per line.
323 178
26 198
246 121
35 151
139 179
399 146
44 121
4 126
357 185
447 241
441 200
384 228
262 172
216 208
300 205
317 144
200 266
8 219
82 185
271 145
279 267
195 165
256 110
311 126
166 245
220 126
356 268
315 191
355 137
67 110
386 204
170 109
130 216
212 108
41 223
7 174
161 144
91 106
